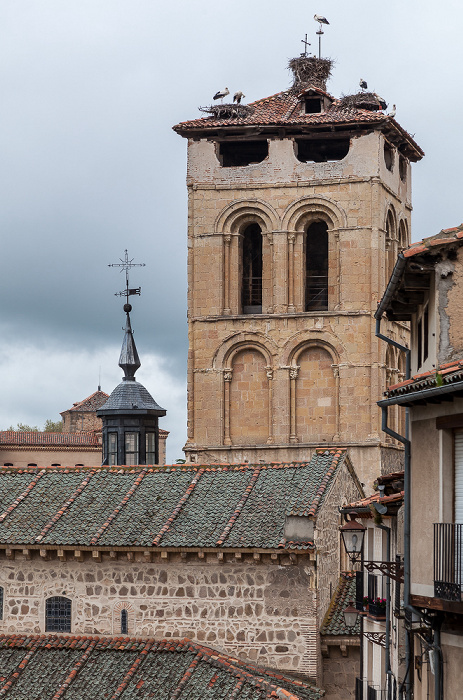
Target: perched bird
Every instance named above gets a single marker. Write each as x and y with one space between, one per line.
319 18
392 114
221 94
238 96
363 84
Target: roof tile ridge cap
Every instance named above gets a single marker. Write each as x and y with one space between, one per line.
22 496
125 681
75 670
65 506
241 503
323 486
259 682
14 675
167 525
119 507
186 676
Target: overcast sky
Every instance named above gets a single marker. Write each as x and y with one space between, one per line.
89 164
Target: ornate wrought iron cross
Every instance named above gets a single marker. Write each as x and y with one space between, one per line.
125 265
306 44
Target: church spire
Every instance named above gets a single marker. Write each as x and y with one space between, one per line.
128 359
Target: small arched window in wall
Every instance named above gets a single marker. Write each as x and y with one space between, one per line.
388 155
251 290
124 621
403 236
58 614
403 168
316 257
391 244
1 603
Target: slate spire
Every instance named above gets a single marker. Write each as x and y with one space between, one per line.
128 359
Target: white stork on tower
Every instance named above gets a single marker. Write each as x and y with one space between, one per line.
320 19
238 96
363 84
391 114
221 94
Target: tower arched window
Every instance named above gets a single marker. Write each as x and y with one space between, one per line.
124 621
1 603
316 259
58 614
251 291
391 244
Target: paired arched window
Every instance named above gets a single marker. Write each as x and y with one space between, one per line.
251 290
316 267
391 244
58 614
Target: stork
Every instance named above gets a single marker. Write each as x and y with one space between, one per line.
319 18
238 96
391 114
363 84
221 94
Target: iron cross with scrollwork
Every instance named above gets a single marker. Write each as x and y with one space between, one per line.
125 266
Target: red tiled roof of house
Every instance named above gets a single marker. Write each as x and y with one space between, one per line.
443 374
334 623
91 403
376 498
432 243
56 666
41 439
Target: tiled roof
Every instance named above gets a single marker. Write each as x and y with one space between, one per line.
393 498
91 403
284 108
239 506
130 395
445 374
41 667
334 624
448 236
39 439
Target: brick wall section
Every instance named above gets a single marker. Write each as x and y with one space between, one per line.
258 611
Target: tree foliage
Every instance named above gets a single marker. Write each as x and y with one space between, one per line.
49 427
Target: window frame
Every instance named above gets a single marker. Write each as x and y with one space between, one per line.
58 619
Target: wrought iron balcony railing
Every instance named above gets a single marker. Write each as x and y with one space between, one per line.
448 561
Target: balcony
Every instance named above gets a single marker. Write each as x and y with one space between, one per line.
448 560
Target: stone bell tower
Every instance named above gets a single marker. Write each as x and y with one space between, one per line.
298 205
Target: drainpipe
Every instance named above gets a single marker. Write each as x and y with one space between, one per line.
405 440
387 655
438 689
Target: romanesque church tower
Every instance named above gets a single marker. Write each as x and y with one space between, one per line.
298 205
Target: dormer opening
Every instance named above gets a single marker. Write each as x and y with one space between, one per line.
313 105
234 154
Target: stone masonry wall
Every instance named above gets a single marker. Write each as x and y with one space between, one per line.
263 612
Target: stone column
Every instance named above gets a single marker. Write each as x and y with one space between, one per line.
227 377
293 372
269 372
291 242
226 274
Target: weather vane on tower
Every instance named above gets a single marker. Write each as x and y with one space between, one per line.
126 265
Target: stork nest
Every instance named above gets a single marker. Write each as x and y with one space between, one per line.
363 100
310 70
228 111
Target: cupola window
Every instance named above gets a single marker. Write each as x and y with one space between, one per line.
316 286
131 448
251 293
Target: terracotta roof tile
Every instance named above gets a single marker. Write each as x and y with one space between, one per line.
439 239
42 439
376 498
447 373
173 506
333 623
50 666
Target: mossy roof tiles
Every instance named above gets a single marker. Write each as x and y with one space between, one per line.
82 668
345 592
239 506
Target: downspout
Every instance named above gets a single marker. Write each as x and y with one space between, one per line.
405 440
387 655
438 689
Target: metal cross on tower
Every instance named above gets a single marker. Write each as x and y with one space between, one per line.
306 44
126 265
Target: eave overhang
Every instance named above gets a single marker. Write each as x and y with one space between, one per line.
435 394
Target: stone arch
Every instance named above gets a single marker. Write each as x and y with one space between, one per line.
300 217
404 240
325 338
391 240
232 222
117 612
307 209
314 392
239 340
247 394
241 212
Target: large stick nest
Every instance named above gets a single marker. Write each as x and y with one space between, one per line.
228 111
363 100
308 70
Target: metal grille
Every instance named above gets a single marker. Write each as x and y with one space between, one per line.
58 614
358 689
448 551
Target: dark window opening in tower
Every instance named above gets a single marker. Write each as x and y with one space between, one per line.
124 621
313 105
321 150
234 154
316 259
403 168
388 155
251 292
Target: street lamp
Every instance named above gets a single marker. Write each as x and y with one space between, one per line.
350 615
352 536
